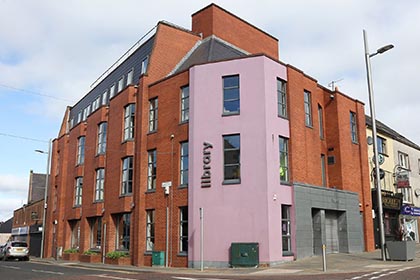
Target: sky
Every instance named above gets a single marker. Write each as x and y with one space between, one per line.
52 51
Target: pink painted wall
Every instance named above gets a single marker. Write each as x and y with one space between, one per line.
249 211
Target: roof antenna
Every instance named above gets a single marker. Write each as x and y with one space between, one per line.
332 84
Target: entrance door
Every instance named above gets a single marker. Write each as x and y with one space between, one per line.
331 232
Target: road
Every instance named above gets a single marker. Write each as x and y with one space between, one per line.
14 270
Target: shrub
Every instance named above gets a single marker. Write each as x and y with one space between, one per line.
71 251
90 253
116 255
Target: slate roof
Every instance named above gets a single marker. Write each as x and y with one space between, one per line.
208 50
386 130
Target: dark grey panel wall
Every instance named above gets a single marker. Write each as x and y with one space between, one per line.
310 205
132 62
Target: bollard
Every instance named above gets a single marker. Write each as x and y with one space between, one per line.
324 258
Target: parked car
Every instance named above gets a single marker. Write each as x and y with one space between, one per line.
15 250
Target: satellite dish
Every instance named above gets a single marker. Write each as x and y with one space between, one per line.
369 140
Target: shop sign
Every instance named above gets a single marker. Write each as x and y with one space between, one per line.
206 177
20 231
403 179
391 202
409 210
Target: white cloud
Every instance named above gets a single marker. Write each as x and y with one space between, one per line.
13 194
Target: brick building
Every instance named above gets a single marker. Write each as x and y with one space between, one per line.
208 126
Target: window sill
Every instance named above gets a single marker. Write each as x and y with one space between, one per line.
127 140
98 201
355 142
184 122
183 186
228 114
286 183
309 126
232 182
148 253
182 254
126 194
283 117
150 191
288 254
152 132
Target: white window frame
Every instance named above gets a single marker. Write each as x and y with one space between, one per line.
185 104
78 192
150 230
99 184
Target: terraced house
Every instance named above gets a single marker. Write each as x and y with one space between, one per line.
200 144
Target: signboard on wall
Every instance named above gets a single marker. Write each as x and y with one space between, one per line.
409 210
403 179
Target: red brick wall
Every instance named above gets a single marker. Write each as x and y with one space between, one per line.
214 20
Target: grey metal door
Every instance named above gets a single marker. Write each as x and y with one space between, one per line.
331 231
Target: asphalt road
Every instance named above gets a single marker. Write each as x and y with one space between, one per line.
18 270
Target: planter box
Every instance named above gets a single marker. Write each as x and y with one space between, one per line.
401 250
70 256
119 261
90 258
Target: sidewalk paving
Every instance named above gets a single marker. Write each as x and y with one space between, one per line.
336 263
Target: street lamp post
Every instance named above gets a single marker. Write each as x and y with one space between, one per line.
375 137
45 194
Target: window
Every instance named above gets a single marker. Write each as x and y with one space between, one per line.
406 192
323 171
183 229
185 103
321 122
79 117
86 113
151 170
284 159
281 98
403 160
150 230
127 176
105 98
129 118
130 77
308 109
99 184
286 230
96 103
123 232
75 234
112 91
184 164
78 192
381 145
81 150
95 232
144 65
231 152
353 127
102 138
121 84
231 104
153 114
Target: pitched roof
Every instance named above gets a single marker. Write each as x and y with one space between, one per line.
210 49
386 130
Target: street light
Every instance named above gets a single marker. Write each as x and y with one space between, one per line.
45 194
375 137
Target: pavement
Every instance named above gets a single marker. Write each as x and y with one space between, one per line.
335 263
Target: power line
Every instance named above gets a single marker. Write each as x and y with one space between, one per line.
23 137
36 93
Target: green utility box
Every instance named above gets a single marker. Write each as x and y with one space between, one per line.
158 258
244 255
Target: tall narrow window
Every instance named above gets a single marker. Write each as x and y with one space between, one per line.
99 184
353 127
183 229
231 98
121 84
112 91
284 159
150 230
185 103
308 109
281 98
321 122
105 98
75 234
153 114
123 232
130 77
403 160
381 145
232 152
95 232
184 164
323 171
286 230
151 170
129 118
102 138
127 176
144 65
81 150
78 192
